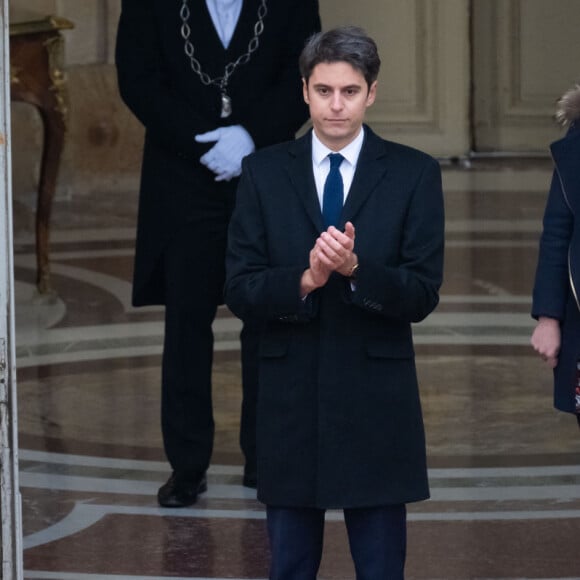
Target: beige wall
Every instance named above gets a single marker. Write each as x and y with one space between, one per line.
523 60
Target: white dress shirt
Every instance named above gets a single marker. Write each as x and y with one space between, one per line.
224 15
321 162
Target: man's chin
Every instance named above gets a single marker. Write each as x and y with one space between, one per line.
336 132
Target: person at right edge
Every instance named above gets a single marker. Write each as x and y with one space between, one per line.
556 298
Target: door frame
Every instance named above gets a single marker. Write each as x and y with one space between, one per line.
10 500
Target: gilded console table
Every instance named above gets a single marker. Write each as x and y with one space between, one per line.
36 77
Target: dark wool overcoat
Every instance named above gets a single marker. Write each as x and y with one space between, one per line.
339 415
557 284
158 84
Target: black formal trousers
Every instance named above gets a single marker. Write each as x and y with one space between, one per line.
194 271
377 538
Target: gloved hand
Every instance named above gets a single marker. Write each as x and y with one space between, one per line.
225 157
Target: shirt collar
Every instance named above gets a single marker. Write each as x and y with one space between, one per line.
351 152
224 6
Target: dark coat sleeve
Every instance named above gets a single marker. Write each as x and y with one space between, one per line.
409 290
552 283
254 288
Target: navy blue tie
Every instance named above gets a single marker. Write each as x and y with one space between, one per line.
333 193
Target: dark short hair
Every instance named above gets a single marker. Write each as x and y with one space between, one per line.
349 44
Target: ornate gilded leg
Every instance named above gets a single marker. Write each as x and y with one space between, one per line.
53 113
54 131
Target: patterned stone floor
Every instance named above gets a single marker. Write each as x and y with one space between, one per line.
504 466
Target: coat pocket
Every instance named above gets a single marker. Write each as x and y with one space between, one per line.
390 349
273 348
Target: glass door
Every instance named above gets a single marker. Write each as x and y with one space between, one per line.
10 505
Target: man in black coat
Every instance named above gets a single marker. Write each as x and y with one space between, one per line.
338 263
211 80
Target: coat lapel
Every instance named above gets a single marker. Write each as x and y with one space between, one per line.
208 49
244 30
299 169
370 171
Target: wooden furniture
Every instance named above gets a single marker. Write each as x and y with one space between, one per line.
36 77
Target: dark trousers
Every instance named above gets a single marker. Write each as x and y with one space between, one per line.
194 272
377 538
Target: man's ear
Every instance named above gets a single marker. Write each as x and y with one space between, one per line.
305 90
372 95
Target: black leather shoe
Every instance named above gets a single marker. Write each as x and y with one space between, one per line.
250 478
180 490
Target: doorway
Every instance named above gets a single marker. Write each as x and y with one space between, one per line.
524 56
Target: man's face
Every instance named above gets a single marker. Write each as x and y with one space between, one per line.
338 97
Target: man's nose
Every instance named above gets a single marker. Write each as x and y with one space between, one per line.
336 101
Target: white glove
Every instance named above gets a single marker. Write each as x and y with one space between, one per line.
225 157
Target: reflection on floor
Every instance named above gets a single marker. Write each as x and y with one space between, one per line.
504 466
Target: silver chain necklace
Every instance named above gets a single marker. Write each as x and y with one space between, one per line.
222 81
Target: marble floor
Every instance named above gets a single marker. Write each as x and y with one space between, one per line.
504 466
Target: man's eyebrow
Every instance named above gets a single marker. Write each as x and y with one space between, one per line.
346 88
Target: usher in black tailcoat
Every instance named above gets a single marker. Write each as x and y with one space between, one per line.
339 415
183 212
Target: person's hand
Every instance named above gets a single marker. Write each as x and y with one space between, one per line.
315 276
334 249
332 252
232 144
546 340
